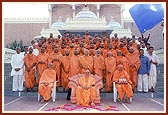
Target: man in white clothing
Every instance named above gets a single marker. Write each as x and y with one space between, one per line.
153 58
17 72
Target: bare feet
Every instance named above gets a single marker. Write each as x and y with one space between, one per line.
128 101
42 101
120 100
92 104
77 104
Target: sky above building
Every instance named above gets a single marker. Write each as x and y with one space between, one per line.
36 9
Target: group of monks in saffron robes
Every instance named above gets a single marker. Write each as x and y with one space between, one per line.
99 55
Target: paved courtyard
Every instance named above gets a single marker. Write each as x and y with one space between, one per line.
27 102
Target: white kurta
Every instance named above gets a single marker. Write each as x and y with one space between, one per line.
153 71
18 76
36 52
145 51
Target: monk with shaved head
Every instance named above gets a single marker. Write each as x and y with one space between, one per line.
110 63
46 82
98 62
123 83
134 64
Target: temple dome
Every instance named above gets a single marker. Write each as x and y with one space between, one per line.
113 24
59 23
86 13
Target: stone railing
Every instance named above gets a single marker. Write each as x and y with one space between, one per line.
121 32
128 19
7 53
27 20
161 55
46 32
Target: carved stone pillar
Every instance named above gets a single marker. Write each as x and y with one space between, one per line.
97 10
73 10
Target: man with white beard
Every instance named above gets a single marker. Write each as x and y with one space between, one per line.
17 72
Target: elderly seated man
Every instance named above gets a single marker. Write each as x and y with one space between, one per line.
86 92
46 83
123 83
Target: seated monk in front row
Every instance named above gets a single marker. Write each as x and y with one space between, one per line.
46 83
123 83
86 92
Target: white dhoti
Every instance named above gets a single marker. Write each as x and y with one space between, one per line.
153 71
152 76
18 83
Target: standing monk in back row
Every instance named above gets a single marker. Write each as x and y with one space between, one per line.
65 70
30 63
55 59
74 64
87 61
42 62
110 63
98 64
134 64
120 59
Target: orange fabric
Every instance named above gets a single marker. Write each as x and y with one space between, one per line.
57 44
42 57
55 59
97 43
123 50
79 40
71 51
74 65
133 71
81 51
49 49
29 60
134 45
114 53
136 51
124 61
110 64
99 65
48 78
115 44
65 67
76 46
67 42
105 44
92 52
62 51
88 63
83 96
123 88
87 39
103 52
